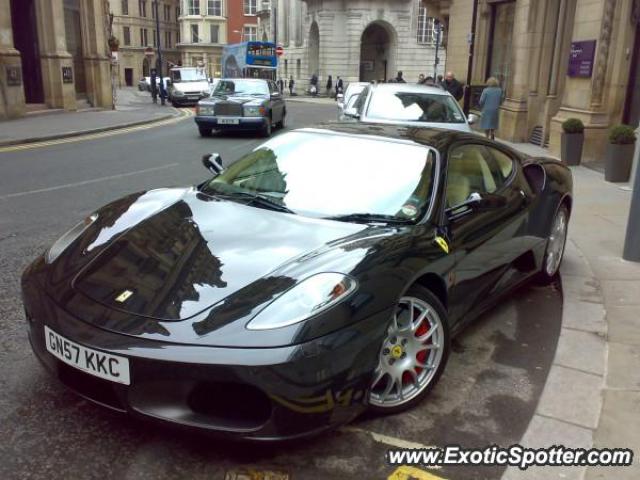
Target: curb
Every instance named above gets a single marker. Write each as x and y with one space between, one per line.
570 406
79 133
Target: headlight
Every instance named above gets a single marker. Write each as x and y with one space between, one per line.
205 110
308 298
65 240
254 111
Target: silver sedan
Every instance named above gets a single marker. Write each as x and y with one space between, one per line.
409 104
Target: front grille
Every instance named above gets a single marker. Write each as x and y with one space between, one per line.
93 388
228 109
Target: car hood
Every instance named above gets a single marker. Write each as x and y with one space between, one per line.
240 99
202 86
195 252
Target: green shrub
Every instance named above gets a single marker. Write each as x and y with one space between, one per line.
573 125
622 135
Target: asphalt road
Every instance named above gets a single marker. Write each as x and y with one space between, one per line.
487 394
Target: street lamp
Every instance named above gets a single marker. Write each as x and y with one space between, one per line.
159 65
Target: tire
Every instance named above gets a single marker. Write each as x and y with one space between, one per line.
267 130
556 242
281 124
401 353
204 131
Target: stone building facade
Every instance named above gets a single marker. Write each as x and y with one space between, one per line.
53 53
528 45
134 25
356 40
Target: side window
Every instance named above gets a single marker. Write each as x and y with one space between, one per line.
272 87
359 105
504 163
471 169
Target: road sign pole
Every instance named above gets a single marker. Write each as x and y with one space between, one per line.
632 240
163 94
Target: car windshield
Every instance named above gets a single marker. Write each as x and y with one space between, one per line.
414 107
190 75
317 174
241 87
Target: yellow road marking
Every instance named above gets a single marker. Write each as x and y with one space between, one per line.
412 473
185 113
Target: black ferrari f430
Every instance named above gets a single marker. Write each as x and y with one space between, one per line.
322 274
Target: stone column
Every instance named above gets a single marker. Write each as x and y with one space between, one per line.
97 66
54 55
11 89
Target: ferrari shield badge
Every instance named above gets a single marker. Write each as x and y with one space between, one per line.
442 243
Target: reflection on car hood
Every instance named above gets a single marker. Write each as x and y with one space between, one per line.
239 99
197 251
200 86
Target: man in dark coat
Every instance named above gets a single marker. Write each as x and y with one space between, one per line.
453 86
292 84
339 86
281 86
399 78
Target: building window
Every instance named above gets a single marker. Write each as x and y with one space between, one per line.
193 7
499 61
214 8
286 67
214 32
298 68
250 7
167 13
125 7
126 35
142 6
177 13
250 33
155 39
178 37
194 33
144 37
426 27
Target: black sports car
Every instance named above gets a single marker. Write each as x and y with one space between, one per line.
322 274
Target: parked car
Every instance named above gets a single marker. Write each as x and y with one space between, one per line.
187 85
143 85
411 105
349 97
242 104
322 274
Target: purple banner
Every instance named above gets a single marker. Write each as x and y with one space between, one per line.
581 58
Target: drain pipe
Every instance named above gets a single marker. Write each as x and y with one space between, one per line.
472 42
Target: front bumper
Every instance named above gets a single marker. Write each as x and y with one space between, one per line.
186 100
243 123
253 394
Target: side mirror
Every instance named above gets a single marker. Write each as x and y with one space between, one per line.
485 201
352 112
213 163
472 118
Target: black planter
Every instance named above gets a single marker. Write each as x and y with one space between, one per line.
571 148
618 161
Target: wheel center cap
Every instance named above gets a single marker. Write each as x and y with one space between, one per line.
397 351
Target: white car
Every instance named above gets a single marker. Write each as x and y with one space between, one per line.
411 105
349 97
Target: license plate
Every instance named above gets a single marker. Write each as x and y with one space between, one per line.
99 364
228 121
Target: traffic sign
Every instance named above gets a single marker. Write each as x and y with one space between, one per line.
279 50
149 51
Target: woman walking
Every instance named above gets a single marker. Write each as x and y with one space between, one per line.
329 85
490 101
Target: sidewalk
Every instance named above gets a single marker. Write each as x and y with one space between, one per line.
592 394
133 108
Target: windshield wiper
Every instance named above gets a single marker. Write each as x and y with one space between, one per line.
369 218
262 200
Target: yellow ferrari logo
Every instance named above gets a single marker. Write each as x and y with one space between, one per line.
124 296
396 351
443 243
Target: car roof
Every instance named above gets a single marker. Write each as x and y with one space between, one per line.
410 87
438 138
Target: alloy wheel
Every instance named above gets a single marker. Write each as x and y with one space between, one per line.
556 243
410 356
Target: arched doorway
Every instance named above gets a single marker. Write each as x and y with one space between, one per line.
377 52
145 67
314 49
25 39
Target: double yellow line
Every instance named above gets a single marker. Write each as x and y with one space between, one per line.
184 113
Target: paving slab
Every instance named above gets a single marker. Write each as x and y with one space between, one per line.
585 316
624 367
624 324
621 292
582 351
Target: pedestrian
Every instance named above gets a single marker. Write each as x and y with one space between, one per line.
399 78
490 101
421 79
329 85
429 81
281 86
439 81
292 84
453 86
153 80
313 85
339 87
